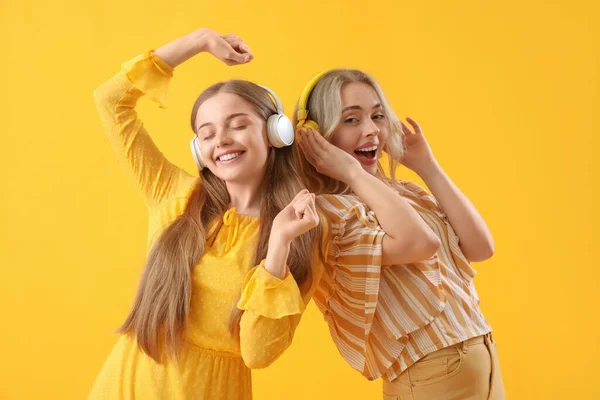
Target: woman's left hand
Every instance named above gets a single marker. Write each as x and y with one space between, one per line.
417 152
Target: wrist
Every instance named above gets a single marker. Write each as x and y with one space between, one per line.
182 49
430 171
355 175
277 254
196 41
278 240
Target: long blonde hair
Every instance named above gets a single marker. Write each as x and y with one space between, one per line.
159 315
325 108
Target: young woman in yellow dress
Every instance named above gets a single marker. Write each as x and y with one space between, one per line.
231 262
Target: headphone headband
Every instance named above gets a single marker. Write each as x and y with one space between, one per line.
275 99
302 112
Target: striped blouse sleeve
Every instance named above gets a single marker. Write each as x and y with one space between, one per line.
371 310
348 291
420 196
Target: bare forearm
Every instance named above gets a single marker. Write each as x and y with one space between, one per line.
182 49
396 217
476 240
276 260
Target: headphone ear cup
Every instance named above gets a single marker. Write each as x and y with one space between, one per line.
195 147
309 123
280 130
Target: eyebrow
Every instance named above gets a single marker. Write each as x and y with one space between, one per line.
378 105
229 118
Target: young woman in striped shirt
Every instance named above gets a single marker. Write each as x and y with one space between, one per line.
418 326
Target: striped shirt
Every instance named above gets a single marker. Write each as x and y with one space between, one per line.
385 318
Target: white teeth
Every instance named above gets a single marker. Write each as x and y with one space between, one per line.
229 156
372 148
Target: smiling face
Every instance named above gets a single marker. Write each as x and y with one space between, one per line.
233 138
363 130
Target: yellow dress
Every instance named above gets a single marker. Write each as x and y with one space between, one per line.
215 366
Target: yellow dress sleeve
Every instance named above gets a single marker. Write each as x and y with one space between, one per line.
155 177
273 308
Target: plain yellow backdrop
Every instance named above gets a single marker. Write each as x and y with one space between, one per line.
507 93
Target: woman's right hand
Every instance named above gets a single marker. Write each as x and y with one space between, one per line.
328 159
230 49
297 218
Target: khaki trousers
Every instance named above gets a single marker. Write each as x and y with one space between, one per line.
464 371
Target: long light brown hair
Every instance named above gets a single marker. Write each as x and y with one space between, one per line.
159 315
325 108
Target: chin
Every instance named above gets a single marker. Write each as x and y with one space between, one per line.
240 176
371 169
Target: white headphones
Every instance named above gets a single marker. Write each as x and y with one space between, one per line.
280 131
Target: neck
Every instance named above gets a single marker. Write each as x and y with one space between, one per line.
245 197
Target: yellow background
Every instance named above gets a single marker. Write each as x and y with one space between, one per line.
507 93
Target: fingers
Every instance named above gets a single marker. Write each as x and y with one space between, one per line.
306 148
300 201
304 201
306 211
299 196
233 58
409 136
239 52
230 36
313 215
407 131
311 210
237 44
301 206
317 143
314 146
319 139
415 126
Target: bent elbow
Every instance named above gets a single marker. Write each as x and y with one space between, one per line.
484 252
259 360
256 363
431 245
100 95
262 352
424 246
410 250
488 251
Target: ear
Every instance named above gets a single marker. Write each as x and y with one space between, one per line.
266 135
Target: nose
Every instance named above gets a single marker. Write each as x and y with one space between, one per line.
222 138
370 129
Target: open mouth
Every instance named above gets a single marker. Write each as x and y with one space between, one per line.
230 157
367 153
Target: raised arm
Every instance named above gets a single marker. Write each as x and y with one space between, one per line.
475 238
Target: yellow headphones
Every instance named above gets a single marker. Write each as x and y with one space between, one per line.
302 113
